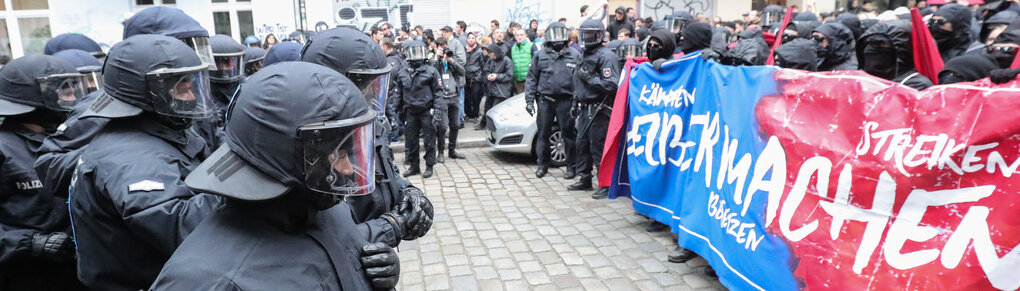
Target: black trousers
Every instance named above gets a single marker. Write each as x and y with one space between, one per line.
418 126
589 145
489 102
449 120
550 112
472 99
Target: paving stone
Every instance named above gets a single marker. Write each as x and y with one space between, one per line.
466 283
437 283
537 278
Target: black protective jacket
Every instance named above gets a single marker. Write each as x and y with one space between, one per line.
129 206
264 249
473 66
551 74
797 54
503 67
599 77
417 89
960 40
27 209
59 153
615 26
840 54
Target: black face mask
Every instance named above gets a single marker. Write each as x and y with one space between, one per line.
655 53
1004 59
416 63
823 53
557 45
942 37
880 62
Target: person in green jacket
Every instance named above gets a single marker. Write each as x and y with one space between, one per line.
521 53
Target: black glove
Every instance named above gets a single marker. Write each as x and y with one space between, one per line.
1003 75
658 63
581 73
710 54
55 246
436 118
417 224
381 264
575 110
530 108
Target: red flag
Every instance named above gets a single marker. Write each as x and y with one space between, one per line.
616 125
926 54
1016 62
779 37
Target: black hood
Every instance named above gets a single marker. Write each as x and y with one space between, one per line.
1003 17
797 54
494 48
225 45
841 44
806 16
751 51
696 36
897 32
18 80
804 28
720 39
130 60
343 49
852 22
81 60
285 51
960 16
67 41
163 20
970 67
1011 34
666 38
751 33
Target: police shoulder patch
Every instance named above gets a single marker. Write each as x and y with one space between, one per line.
606 72
146 185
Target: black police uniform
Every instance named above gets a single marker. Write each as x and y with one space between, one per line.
281 229
447 117
222 85
550 82
36 251
397 65
594 91
129 206
417 90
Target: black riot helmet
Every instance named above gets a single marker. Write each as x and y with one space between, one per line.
772 16
153 73
228 55
67 41
39 81
629 48
174 23
416 52
322 139
557 32
253 57
355 55
676 22
591 33
87 65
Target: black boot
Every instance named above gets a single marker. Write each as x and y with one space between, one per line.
569 174
412 171
439 155
455 155
602 193
582 185
428 172
681 255
542 170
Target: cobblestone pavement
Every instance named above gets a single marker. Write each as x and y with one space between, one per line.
497 227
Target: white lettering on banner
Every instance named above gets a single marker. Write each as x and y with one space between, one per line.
657 140
656 96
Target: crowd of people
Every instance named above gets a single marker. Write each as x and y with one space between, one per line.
180 160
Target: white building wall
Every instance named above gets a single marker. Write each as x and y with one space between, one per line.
97 19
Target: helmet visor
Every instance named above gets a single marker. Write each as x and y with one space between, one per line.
201 46
227 68
182 92
62 91
557 34
416 53
338 156
772 18
591 36
374 86
675 25
252 66
629 51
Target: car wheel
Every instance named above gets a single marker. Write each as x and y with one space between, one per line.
557 149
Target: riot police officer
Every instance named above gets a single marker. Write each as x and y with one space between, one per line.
595 83
68 41
86 64
59 153
224 79
416 92
253 57
356 56
129 206
283 226
675 23
550 83
629 48
36 251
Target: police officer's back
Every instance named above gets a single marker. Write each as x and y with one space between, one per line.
129 206
283 227
550 83
36 252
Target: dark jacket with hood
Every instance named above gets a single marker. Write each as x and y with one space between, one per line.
551 73
797 54
805 23
967 68
615 25
666 38
720 39
1010 35
473 66
851 21
840 54
752 52
954 43
1002 17
503 67
897 33
695 37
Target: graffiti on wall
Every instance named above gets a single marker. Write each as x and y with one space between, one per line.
364 14
523 11
659 9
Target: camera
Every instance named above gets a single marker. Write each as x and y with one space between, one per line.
448 52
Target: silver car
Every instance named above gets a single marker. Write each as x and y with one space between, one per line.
509 128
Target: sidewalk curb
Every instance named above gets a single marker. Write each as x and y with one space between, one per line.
398 147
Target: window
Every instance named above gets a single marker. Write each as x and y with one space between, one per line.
245 24
233 18
29 4
34 34
142 4
24 27
5 43
222 22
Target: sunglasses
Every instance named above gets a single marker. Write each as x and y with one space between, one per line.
937 22
654 45
818 38
1006 49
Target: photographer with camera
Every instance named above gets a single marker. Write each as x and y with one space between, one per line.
447 116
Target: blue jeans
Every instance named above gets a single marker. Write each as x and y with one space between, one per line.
461 105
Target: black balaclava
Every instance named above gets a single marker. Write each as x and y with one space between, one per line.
797 54
887 63
967 68
665 38
1010 35
960 17
695 37
878 60
557 46
841 45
